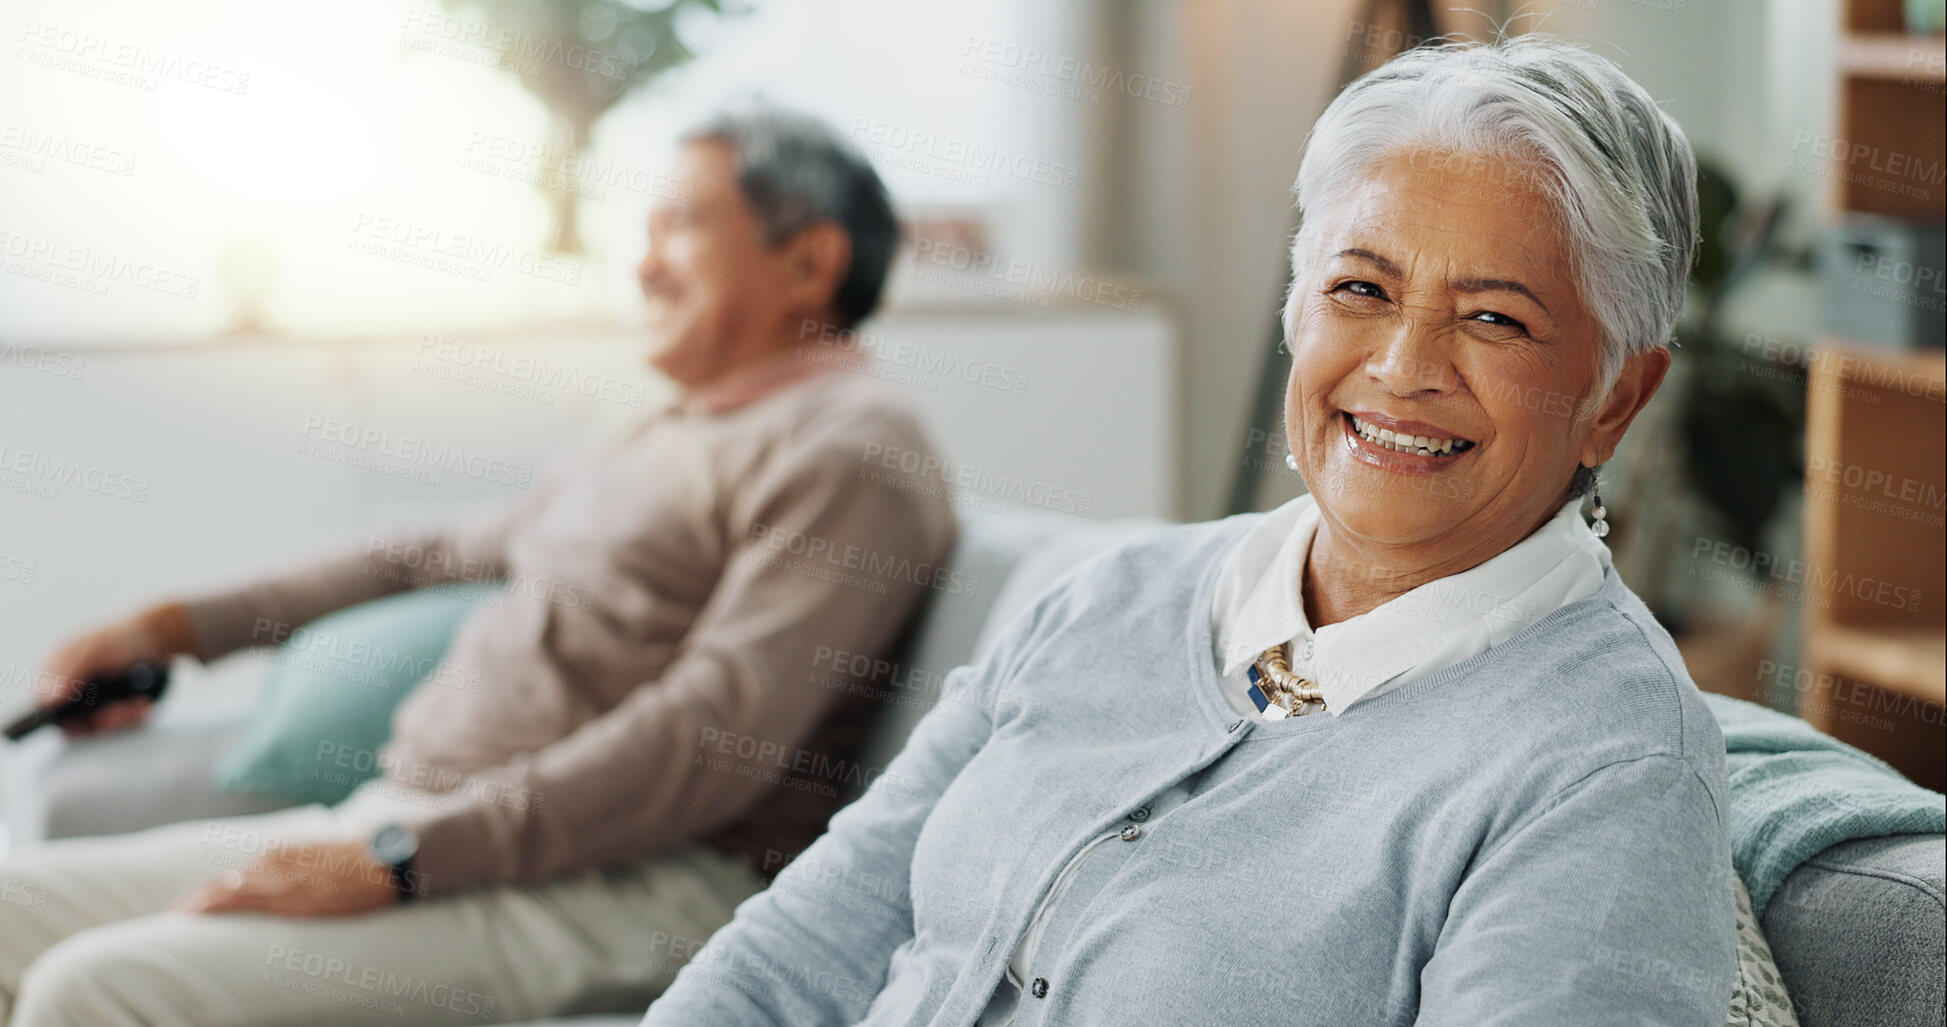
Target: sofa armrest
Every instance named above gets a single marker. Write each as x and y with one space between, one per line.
132 780
1859 933
126 782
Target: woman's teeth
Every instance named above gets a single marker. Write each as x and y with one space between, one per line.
1422 445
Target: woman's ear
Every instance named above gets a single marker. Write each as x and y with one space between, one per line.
1641 375
816 260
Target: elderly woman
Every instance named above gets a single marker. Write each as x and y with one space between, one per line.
1405 750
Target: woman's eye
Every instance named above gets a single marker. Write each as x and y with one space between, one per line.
1359 288
1489 317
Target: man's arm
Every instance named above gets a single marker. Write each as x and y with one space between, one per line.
266 611
1614 906
817 559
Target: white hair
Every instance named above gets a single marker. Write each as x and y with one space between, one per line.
794 169
1616 167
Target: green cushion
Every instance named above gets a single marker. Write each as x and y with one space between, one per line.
328 701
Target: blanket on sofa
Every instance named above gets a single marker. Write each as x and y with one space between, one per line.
1796 791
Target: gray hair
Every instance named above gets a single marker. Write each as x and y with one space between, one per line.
794 170
1618 169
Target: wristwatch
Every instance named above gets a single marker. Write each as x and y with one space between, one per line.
398 849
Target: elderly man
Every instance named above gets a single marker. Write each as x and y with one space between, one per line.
691 608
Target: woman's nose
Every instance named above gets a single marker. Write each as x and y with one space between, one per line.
1413 357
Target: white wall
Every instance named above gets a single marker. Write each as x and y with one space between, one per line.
1198 199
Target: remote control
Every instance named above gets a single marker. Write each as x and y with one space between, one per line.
148 679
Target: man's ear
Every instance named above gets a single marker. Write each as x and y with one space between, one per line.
815 262
1641 375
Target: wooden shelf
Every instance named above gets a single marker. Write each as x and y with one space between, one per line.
1911 661
1876 431
1912 361
1895 132
1894 55
1842 365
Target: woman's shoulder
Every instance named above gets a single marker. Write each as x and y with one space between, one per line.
1131 578
1181 544
1155 561
1607 679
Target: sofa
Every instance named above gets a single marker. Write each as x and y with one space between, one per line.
1859 932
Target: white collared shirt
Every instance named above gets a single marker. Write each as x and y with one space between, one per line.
1259 604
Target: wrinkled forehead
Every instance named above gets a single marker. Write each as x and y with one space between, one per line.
1481 214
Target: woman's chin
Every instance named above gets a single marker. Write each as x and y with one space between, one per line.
1390 516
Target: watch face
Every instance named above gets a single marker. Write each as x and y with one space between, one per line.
393 845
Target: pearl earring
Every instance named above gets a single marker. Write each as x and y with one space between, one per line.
1600 524
1291 460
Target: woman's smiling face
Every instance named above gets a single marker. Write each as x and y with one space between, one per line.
1440 307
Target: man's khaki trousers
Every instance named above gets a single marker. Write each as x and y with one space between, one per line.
86 941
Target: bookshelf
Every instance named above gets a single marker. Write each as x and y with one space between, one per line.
1875 640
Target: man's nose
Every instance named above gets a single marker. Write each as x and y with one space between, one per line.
650 267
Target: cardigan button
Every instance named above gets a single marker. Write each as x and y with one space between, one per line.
1039 989
1139 813
1131 833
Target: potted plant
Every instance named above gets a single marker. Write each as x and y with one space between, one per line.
581 57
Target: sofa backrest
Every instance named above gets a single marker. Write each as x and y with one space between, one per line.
1859 933
1007 559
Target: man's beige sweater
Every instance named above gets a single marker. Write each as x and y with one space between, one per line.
670 656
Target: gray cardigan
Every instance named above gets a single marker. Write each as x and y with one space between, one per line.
1536 835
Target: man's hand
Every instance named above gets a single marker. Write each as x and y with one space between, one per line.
299 879
153 635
